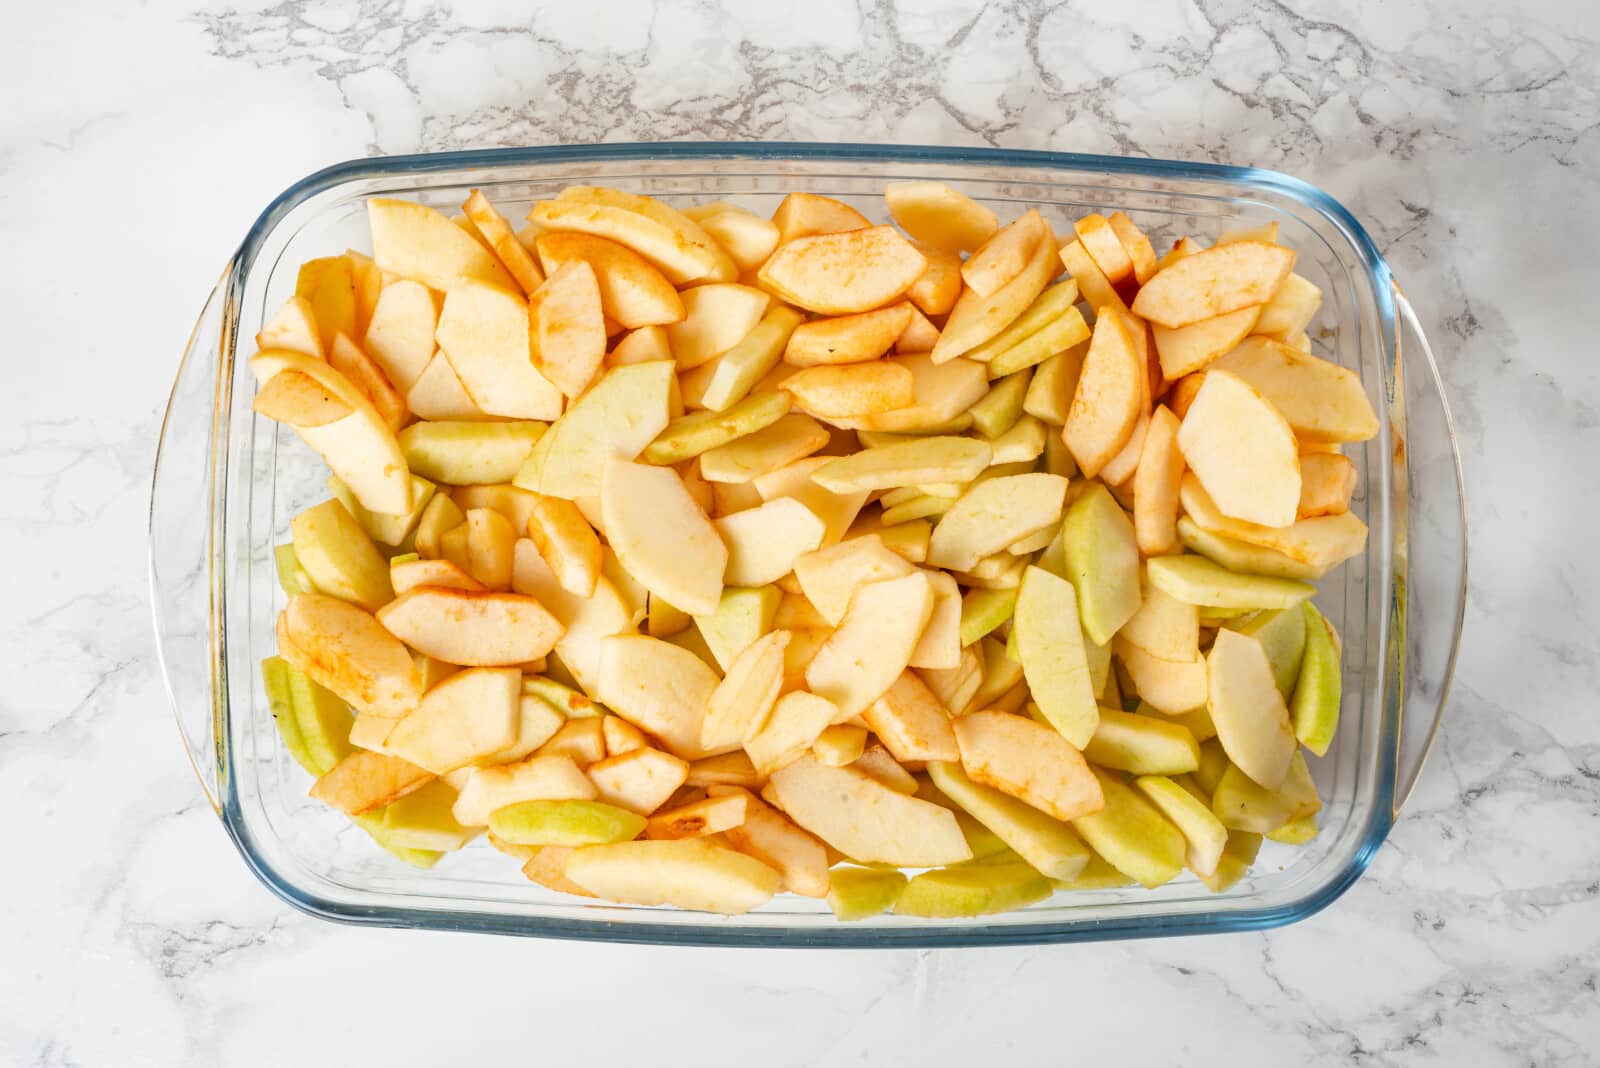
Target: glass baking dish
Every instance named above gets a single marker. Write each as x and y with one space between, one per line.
227 482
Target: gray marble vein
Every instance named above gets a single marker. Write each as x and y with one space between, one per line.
139 141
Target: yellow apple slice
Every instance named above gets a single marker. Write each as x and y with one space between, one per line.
632 291
940 644
940 393
1164 626
976 318
792 437
743 615
471 715
847 338
934 214
421 820
967 891
748 238
689 435
689 873
1049 396
1050 643
1242 451
739 706
803 214
1323 402
415 241
1189 348
490 540
851 390
1251 718
1133 835
640 780
716 317
1155 485
1219 280
292 327
911 722
1204 833
511 253
567 543
768 836
737 371
1243 805
364 781
580 740
587 620
626 410
830 577
344 648
873 644
1051 306
413 573
468 453
566 329
1102 559
1005 255
1029 761
299 400
472 629
698 819
796 722
1103 245
1327 482
1319 542
1290 310
664 236
1198 581
930 459
340 557
1109 397
994 514
866 820
1097 290
1046 843
843 273
764 541
483 332
661 536
438 393
939 285
659 688
861 893
1136 245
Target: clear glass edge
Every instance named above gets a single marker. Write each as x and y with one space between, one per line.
709 934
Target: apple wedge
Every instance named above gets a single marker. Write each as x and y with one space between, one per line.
664 236
1046 843
661 536
414 241
1030 762
1136 245
299 400
977 318
1318 691
1319 543
1006 254
764 542
1105 247
1142 745
930 459
483 332
803 214
1251 718
632 291
1204 833
690 874
743 615
940 393
400 337
471 715
640 780
852 390
472 629
566 328
793 437
539 778
796 722
468 453
1097 290
1327 482
738 708
621 414
690 435
365 781
716 317
1110 395
1290 310
1242 451
345 649
938 287
659 688
490 541
339 556
843 273
847 338
563 823
1214 282
940 644
934 214
861 893
874 643
697 819
1133 835
1102 562
967 891
829 577
748 238
1172 687
1054 661
292 327
1282 634
567 543
866 820
1321 401
994 514
1196 580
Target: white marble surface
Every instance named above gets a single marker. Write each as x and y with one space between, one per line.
137 144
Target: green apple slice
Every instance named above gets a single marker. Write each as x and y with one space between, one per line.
1142 745
1317 694
690 435
1201 829
984 610
1196 580
291 576
1234 864
861 893
1051 645
322 720
979 890
423 820
1243 805
1046 843
1102 562
1295 832
744 613
1133 835
340 557
469 454
373 824
1001 407
275 679
570 822
1096 875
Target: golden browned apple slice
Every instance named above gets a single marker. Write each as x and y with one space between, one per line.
1322 401
640 780
716 317
873 644
976 318
1029 761
911 722
1136 245
843 273
632 291
934 214
1290 310
659 688
292 327
1248 710
662 537
415 241
851 390
664 236
299 400
1189 348
689 873
1006 254
847 338
345 649
471 715
804 214
1242 451
939 285
1155 485
567 543
472 629
1109 397
1219 280
797 720
866 820
364 781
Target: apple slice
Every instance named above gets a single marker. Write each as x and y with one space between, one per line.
1006 254
830 576
712 815
1323 402
1142 745
280 701
843 273
1028 761
940 644
938 287
1242 451
400 336
472 629
1317 693
539 778
580 740
1104 246
292 327
852 390
873 644
661 536
803 214
511 253
930 459
422 820
690 874
743 615
980 890
490 542
994 514
1251 719
644 345
1171 686
792 437
1136 245
345 649
483 332
340 557
919 335
299 400
866 820
739 706
847 338
1214 282
796 721
1164 626
1155 485
415 241
1190 348
365 781
1290 310
616 419
977 318
716 318
1109 397
1241 556
567 543
1327 482
471 715
763 542
1046 843
935 214
940 394
1102 562
984 610
1319 543
569 822
463 453
659 688
664 236
690 435
438 394
1282 635
1097 290
1243 805
748 238
1054 305
861 893
1050 643
1204 833
767 835
1196 580
1132 835
566 330
632 291
640 780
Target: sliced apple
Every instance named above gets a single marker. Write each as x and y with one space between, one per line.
861 893
1251 718
364 781
567 543
716 318
511 253
764 542
843 273
940 393
697 819
1242 451
1155 485
792 437
1102 558
940 644
1318 691
659 688
803 214
1109 396
644 345
1318 543
569 822
851 391
1104 246
1054 661
580 740
664 236
662 536
400 336
738 708
994 514
939 285
1136 245
632 291
438 394
1198 581
472 629
930 459
299 400
1031 762
415 241
866 820
1213 282
743 615
796 721
1132 835
1327 482
1290 310
345 649
977 318
566 328
1204 833
830 576
471 715
292 327
1189 348
640 780
748 238
690 435
874 643
935 214
690 874
464 453
1242 557
538 778
1142 745
1321 401
1097 290
847 338
1048 844
483 332
1282 635
1244 805
1006 254
340 557
616 419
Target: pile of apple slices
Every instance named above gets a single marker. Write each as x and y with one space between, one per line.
690 556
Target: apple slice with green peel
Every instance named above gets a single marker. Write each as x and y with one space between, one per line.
471 715
1164 626
365 781
372 823
830 576
464 454
796 722
659 688
982 611
415 241
1096 875
640 780
1142 745
664 236
1237 857
994 514
1282 633
1198 581
952 893
689 873
1054 658
280 701
1205 834
1318 691
1028 761
1251 719
569 822
422 820
767 835
661 536
539 778
472 629
1132 834
1102 562
564 699
345 649
743 614
615 419
866 820
291 576
322 720
930 459
1295 832
763 542
1243 805
1048 844
873 644
340 557
1241 556
739 706
690 435
861 893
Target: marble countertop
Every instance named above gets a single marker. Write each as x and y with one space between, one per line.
138 143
